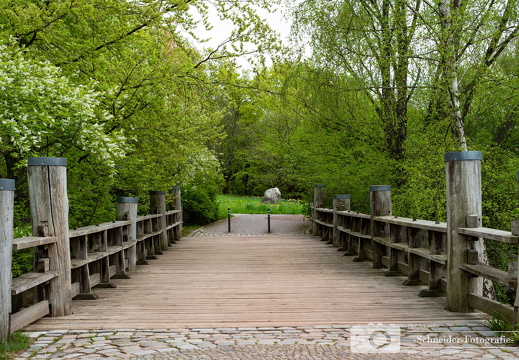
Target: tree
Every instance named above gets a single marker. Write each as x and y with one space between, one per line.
371 42
43 113
472 37
151 83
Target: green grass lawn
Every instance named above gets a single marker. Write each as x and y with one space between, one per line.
253 205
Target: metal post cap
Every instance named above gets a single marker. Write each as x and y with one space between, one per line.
47 161
463 156
319 185
380 188
7 184
341 196
123 199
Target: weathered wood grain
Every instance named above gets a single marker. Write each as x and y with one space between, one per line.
340 203
158 206
463 199
253 281
32 241
28 315
491 234
49 205
31 279
6 251
126 209
176 204
380 205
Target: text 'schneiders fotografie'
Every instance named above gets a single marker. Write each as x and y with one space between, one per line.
460 340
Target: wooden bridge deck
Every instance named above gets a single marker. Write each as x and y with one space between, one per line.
253 281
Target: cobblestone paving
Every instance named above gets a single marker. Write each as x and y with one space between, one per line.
377 341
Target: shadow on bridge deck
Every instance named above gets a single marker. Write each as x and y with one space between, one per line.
246 281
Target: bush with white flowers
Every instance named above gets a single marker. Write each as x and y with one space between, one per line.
42 112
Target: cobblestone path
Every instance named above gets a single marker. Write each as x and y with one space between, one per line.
465 341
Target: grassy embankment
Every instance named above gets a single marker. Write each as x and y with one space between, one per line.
253 205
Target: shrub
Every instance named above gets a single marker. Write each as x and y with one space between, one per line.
199 206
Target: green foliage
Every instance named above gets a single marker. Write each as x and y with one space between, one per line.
43 113
199 206
17 343
124 96
199 192
23 260
503 328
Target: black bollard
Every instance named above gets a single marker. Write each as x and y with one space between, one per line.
268 217
229 219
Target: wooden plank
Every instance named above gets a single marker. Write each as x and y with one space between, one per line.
354 233
30 280
354 214
148 217
254 281
75 290
490 234
128 244
382 241
112 270
92 229
324 210
323 223
148 235
418 224
95 279
169 227
172 212
490 273
32 241
491 307
439 258
113 249
29 315
76 263
398 246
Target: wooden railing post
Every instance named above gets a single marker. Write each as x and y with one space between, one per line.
126 209
177 205
158 206
6 254
463 171
319 202
380 205
49 205
340 203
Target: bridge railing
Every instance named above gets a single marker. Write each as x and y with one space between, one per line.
446 257
69 263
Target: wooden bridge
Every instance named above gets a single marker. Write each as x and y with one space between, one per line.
136 272
252 281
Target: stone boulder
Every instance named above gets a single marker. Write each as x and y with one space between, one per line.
271 196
